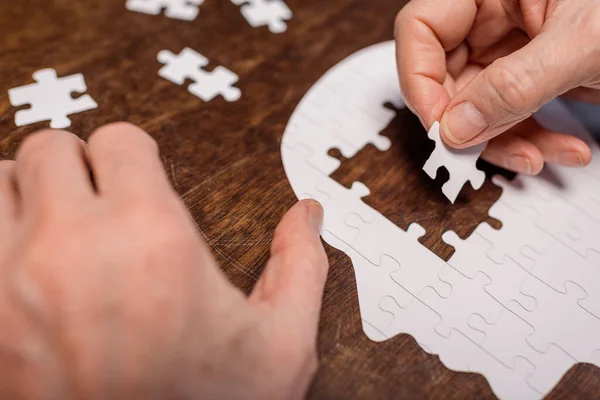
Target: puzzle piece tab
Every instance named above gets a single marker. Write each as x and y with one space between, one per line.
551 212
468 297
50 99
186 10
577 333
506 383
207 85
470 258
459 163
271 13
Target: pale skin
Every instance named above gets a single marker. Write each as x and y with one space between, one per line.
108 292
482 67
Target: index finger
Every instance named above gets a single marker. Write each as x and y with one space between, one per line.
425 31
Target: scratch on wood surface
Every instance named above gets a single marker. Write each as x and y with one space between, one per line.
234 243
342 349
235 264
213 175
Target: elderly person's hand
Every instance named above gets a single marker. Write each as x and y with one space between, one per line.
482 67
108 292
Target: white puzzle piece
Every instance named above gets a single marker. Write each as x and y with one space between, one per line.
470 258
459 163
578 334
515 304
50 99
456 309
507 383
207 85
186 10
271 13
552 210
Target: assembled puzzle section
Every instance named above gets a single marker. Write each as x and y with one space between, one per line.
500 305
186 10
459 163
270 13
207 85
51 99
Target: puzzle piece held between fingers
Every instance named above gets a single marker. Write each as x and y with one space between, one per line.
50 99
272 13
459 163
186 10
207 85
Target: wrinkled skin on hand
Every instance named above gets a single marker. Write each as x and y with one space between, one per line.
109 293
482 67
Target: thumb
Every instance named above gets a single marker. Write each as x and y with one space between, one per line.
294 278
510 90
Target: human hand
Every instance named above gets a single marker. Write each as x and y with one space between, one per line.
482 67
109 293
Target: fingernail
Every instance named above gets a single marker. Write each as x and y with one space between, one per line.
519 164
315 215
463 122
570 159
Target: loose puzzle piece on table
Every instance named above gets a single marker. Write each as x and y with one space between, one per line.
178 9
50 99
271 13
502 305
459 163
207 85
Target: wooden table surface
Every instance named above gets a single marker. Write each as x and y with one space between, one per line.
224 158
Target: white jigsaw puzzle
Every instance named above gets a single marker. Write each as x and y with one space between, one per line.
207 85
271 13
51 99
186 10
519 305
459 163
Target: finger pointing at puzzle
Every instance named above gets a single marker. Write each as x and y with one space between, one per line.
481 67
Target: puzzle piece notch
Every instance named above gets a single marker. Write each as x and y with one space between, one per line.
373 284
379 237
207 85
271 13
518 230
471 257
506 342
51 99
417 319
325 164
468 297
553 214
553 306
186 10
461 164
506 383
467 257
557 268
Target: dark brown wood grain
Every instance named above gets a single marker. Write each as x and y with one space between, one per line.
224 158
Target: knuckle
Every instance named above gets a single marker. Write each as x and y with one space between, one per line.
39 143
122 133
37 149
514 89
